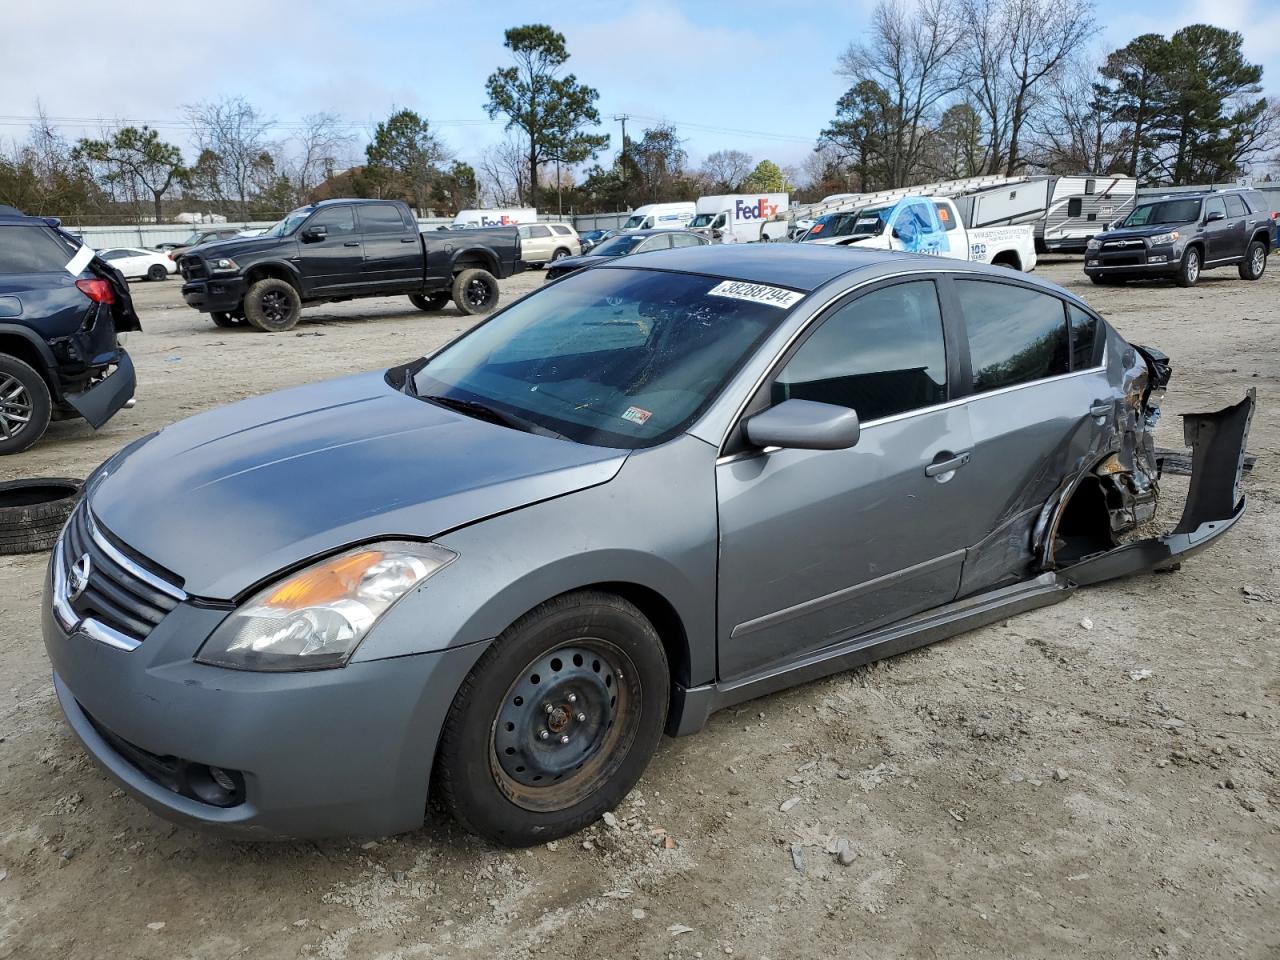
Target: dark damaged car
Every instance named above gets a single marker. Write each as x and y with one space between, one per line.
61 307
656 488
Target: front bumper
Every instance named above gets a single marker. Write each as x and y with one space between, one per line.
1135 261
321 753
215 295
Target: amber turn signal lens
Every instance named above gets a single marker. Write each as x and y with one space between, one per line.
323 584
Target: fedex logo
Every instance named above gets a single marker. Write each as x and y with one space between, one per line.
503 221
762 209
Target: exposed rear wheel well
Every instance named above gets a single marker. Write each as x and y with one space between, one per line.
1263 237
25 350
477 260
1007 258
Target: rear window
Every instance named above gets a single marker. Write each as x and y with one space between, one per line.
562 230
31 250
1258 202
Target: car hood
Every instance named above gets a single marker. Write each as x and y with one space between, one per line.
1124 233
228 498
235 246
565 264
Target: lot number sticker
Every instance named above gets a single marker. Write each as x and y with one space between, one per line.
756 293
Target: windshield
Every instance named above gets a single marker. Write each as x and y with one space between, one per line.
290 223
1165 211
614 358
701 220
617 246
859 223
634 223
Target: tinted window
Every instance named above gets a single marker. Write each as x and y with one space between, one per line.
1086 346
31 250
338 220
944 214
539 232
1015 335
1075 207
880 354
562 230
1235 206
1164 211
380 218
114 254
1257 202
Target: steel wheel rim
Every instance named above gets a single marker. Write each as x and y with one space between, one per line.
1259 260
1193 265
549 752
15 407
477 293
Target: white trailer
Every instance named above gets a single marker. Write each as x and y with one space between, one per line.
738 217
660 216
507 217
1079 207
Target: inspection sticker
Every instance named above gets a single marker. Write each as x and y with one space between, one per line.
756 293
636 414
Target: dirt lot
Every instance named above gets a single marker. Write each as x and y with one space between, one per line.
1009 793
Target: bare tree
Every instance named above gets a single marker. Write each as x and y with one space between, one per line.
504 174
1073 133
234 150
726 169
910 55
322 145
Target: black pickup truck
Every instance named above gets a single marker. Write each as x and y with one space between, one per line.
342 249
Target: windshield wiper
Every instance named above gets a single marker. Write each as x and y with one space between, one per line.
482 411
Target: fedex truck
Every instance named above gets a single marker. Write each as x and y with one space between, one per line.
494 218
738 217
660 216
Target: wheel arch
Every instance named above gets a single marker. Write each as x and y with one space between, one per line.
27 346
276 269
1007 258
481 258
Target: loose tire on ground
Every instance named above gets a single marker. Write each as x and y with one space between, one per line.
157 272
25 405
1254 263
431 302
587 669
272 305
33 511
475 291
1189 269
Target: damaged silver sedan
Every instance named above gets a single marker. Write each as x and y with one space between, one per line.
649 490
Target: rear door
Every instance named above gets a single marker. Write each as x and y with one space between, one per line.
1217 233
535 243
331 263
392 250
1039 408
1238 231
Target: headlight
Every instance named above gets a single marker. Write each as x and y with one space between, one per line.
1093 244
1163 239
224 265
317 617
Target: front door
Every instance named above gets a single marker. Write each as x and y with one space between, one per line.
331 262
819 546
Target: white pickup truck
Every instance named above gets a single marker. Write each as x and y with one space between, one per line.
928 225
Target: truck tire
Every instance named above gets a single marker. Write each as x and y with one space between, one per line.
475 291
32 513
272 305
1189 269
430 302
25 405
1254 262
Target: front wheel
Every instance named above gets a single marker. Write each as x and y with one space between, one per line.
475 291
272 305
430 302
556 722
221 319
1255 261
1189 269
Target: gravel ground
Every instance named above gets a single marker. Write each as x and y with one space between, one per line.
1012 792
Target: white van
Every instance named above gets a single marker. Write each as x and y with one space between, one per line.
737 217
660 216
493 218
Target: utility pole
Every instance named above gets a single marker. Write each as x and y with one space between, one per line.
623 118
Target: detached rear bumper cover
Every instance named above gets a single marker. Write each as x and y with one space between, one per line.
104 399
1214 502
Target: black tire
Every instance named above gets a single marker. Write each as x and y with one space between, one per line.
221 319
560 254
157 272
1254 263
32 513
25 405
501 768
475 291
431 302
1189 270
272 305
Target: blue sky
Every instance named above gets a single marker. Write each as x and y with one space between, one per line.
748 74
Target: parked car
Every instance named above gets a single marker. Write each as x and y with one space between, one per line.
928 225
593 238
341 250
625 244
1182 235
204 235
135 262
543 243
60 310
659 487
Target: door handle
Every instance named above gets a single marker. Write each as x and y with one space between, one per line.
408 239
351 243
1101 408
939 467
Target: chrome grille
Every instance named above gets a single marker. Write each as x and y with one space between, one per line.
103 591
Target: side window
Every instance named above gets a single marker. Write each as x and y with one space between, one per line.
1086 344
661 242
1075 207
539 232
337 220
379 218
1214 206
30 250
1235 206
112 254
944 215
880 354
1090 186
685 240
1015 335
561 229
524 232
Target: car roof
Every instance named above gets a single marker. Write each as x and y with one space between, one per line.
654 232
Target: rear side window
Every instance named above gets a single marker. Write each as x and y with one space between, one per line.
686 240
880 354
31 250
562 230
1258 202
1235 206
1086 345
381 218
1015 335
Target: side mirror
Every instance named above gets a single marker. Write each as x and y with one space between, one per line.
1216 215
805 425
312 234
